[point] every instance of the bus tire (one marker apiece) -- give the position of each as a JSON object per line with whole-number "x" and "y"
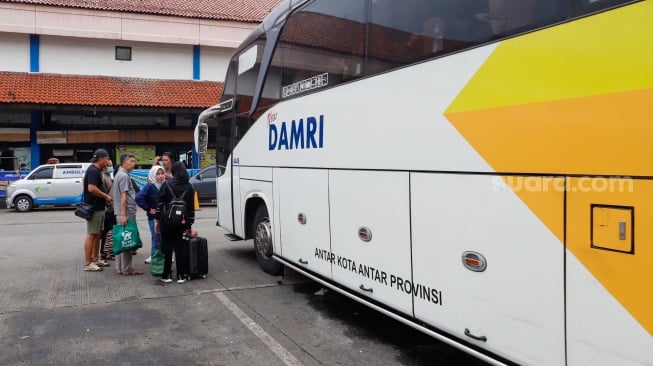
{"x": 23, "y": 203}
{"x": 262, "y": 234}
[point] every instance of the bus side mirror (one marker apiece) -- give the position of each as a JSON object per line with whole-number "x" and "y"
{"x": 201, "y": 138}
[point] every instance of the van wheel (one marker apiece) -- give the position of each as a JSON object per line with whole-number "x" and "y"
{"x": 23, "y": 203}
{"x": 262, "y": 234}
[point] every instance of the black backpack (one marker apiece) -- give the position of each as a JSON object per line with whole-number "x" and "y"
{"x": 174, "y": 212}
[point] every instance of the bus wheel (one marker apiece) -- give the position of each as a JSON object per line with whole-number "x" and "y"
{"x": 263, "y": 242}
{"x": 23, "y": 203}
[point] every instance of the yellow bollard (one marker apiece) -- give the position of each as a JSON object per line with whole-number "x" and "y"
{"x": 197, "y": 202}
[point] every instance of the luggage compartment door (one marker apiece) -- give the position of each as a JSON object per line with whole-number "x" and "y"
{"x": 302, "y": 201}
{"x": 370, "y": 231}
{"x": 488, "y": 259}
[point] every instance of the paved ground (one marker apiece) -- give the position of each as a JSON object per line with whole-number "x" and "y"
{"x": 53, "y": 313}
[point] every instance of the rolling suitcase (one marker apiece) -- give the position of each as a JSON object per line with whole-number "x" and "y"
{"x": 198, "y": 257}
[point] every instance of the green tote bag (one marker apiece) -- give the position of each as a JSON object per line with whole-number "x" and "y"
{"x": 126, "y": 237}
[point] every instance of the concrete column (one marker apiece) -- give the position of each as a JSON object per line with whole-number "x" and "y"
{"x": 35, "y": 149}
{"x": 34, "y": 51}
{"x": 196, "y": 62}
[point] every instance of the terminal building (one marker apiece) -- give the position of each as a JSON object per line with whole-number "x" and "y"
{"x": 124, "y": 75}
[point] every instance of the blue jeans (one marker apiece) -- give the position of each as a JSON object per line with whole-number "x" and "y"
{"x": 156, "y": 238}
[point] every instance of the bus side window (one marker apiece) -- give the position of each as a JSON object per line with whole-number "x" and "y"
{"x": 321, "y": 45}
{"x": 582, "y": 7}
{"x": 509, "y": 17}
{"x": 412, "y": 30}
{"x": 506, "y": 15}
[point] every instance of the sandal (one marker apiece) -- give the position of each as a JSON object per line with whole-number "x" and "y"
{"x": 132, "y": 272}
{"x": 102, "y": 263}
{"x": 118, "y": 272}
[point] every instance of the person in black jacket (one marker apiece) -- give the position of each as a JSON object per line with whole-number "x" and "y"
{"x": 172, "y": 238}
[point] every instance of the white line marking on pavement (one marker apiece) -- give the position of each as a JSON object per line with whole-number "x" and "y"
{"x": 273, "y": 345}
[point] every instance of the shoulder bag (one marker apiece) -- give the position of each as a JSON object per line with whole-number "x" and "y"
{"x": 84, "y": 210}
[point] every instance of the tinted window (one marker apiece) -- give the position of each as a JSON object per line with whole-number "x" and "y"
{"x": 229, "y": 91}
{"x": 241, "y": 80}
{"x": 43, "y": 173}
{"x": 411, "y": 30}
{"x": 331, "y": 41}
{"x": 581, "y": 7}
{"x": 321, "y": 45}
{"x": 249, "y": 64}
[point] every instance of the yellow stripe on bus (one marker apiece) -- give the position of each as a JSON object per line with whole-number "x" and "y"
{"x": 542, "y": 104}
{"x": 551, "y": 65}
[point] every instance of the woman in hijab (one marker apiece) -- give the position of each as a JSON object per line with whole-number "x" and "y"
{"x": 172, "y": 237}
{"x": 147, "y": 199}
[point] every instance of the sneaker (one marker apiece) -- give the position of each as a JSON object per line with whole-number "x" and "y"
{"x": 166, "y": 279}
{"x": 148, "y": 260}
{"x": 181, "y": 279}
{"x": 92, "y": 268}
{"x": 102, "y": 263}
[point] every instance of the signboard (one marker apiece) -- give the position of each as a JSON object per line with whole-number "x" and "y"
{"x": 208, "y": 158}
{"x": 144, "y": 154}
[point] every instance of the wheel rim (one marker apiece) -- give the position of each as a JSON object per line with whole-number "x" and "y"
{"x": 263, "y": 239}
{"x": 22, "y": 204}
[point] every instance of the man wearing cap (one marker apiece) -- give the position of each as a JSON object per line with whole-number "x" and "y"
{"x": 94, "y": 194}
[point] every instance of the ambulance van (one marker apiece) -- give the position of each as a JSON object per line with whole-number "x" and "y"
{"x": 48, "y": 185}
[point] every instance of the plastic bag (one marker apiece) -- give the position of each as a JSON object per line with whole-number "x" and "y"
{"x": 126, "y": 237}
{"x": 156, "y": 266}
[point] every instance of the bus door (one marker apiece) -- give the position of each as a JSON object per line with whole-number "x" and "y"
{"x": 225, "y": 181}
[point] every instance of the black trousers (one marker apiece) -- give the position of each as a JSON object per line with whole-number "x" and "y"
{"x": 172, "y": 241}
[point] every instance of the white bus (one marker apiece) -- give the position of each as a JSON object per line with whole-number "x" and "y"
{"x": 481, "y": 170}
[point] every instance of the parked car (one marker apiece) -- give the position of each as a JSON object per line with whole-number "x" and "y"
{"x": 204, "y": 183}
{"x": 49, "y": 184}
